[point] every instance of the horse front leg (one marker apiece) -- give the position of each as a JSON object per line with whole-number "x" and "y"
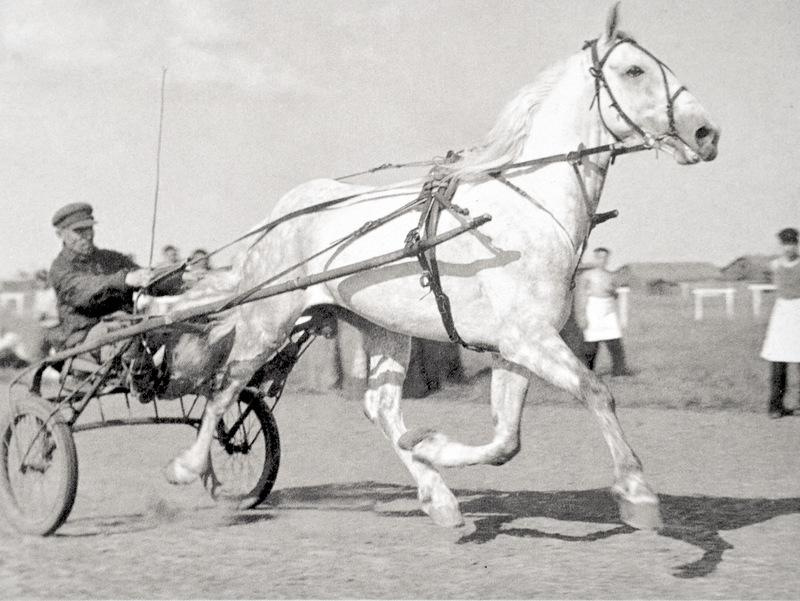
{"x": 544, "y": 353}
{"x": 539, "y": 349}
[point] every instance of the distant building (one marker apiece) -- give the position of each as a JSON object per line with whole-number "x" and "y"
{"x": 662, "y": 287}
{"x": 17, "y": 296}
{"x": 751, "y": 268}
{"x": 28, "y": 295}
{"x": 661, "y": 278}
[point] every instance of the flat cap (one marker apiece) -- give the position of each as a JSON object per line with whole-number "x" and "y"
{"x": 73, "y": 216}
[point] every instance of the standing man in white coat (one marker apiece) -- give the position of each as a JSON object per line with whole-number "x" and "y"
{"x": 596, "y": 311}
{"x": 782, "y": 342}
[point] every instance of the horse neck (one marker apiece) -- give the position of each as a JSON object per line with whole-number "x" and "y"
{"x": 565, "y": 120}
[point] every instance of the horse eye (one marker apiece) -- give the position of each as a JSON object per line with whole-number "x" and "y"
{"x": 634, "y": 71}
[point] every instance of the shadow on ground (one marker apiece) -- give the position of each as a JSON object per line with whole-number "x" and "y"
{"x": 159, "y": 516}
{"x": 697, "y": 520}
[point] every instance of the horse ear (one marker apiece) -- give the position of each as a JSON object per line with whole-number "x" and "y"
{"x": 612, "y": 23}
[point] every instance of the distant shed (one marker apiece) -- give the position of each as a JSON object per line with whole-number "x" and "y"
{"x": 662, "y": 277}
{"x": 751, "y": 268}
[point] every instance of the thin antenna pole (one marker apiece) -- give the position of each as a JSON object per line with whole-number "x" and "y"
{"x": 158, "y": 168}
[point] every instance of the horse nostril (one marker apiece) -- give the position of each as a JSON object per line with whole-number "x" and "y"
{"x": 702, "y": 133}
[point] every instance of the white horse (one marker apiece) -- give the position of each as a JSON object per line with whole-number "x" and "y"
{"x": 509, "y": 283}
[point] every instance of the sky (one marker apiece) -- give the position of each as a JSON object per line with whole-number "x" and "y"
{"x": 261, "y": 96}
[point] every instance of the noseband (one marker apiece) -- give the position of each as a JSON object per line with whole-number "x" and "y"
{"x": 600, "y": 82}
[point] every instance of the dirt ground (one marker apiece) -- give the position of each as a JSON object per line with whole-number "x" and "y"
{"x": 343, "y": 521}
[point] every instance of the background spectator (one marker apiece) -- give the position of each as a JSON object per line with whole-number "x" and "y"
{"x": 596, "y": 313}
{"x": 782, "y": 342}
{"x": 170, "y": 255}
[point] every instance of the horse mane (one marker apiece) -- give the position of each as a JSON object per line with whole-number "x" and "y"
{"x": 505, "y": 141}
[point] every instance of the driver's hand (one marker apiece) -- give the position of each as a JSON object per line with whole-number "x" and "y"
{"x": 138, "y": 278}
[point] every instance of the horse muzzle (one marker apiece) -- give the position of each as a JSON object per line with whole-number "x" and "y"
{"x": 707, "y": 139}
{"x": 698, "y": 144}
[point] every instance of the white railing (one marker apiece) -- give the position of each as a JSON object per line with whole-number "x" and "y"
{"x": 700, "y": 294}
{"x": 757, "y": 290}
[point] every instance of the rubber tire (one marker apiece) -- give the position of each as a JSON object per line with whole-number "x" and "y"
{"x": 272, "y": 450}
{"x": 68, "y": 483}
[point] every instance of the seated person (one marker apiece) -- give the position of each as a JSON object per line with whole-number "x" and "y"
{"x": 198, "y": 266}
{"x": 170, "y": 256}
{"x": 91, "y": 282}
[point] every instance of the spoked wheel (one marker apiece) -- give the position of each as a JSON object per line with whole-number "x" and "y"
{"x": 38, "y": 466}
{"x": 246, "y": 452}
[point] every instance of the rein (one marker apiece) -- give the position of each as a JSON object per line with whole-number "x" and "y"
{"x": 615, "y": 149}
{"x": 355, "y": 234}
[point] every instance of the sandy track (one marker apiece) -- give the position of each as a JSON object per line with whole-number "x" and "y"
{"x": 343, "y": 521}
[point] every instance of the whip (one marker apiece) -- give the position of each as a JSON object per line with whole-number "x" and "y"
{"x": 158, "y": 168}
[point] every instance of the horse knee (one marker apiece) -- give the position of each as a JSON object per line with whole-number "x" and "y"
{"x": 508, "y": 450}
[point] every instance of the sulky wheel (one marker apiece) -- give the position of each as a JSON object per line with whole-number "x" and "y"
{"x": 246, "y": 451}
{"x": 38, "y": 466}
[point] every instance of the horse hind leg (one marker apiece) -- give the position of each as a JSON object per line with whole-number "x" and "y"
{"x": 194, "y": 462}
{"x": 255, "y": 340}
{"x": 388, "y": 355}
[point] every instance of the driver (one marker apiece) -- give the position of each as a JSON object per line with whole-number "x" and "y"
{"x": 91, "y": 282}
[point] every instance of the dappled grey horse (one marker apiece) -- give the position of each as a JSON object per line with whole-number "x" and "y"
{"x": 509, "y": 283}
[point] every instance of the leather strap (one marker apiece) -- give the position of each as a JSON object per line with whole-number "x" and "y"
{"x": 437, "y": 194}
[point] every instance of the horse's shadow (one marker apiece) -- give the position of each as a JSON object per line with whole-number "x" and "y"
{"x": 697, "y": 520}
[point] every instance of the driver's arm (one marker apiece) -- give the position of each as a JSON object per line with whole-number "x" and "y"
{"x": 96, "y": 294}
{"x": 86, "y": 291}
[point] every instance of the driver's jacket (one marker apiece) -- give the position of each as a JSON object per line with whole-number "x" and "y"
{"x": 87, "y": 288}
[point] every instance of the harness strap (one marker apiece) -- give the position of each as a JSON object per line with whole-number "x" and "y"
{"x": 437, "y": 194}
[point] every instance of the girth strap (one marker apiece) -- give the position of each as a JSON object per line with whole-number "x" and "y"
{"x": 437, "y": 194}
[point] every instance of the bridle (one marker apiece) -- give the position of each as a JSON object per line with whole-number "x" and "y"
{"x": 601, "y": 83}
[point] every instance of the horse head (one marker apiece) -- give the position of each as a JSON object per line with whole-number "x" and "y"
{"x": 639, "y": 97}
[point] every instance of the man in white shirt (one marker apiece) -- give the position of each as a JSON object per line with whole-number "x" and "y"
{"x": 596, "y": 313}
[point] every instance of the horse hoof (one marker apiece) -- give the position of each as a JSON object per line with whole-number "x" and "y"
{"x": 638, "y": 504}
{"x": 446, "y": 516}
{"x": 642, "y": 516}
{"x": 412, "y": 438}
{"x": 177, "y": 472}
